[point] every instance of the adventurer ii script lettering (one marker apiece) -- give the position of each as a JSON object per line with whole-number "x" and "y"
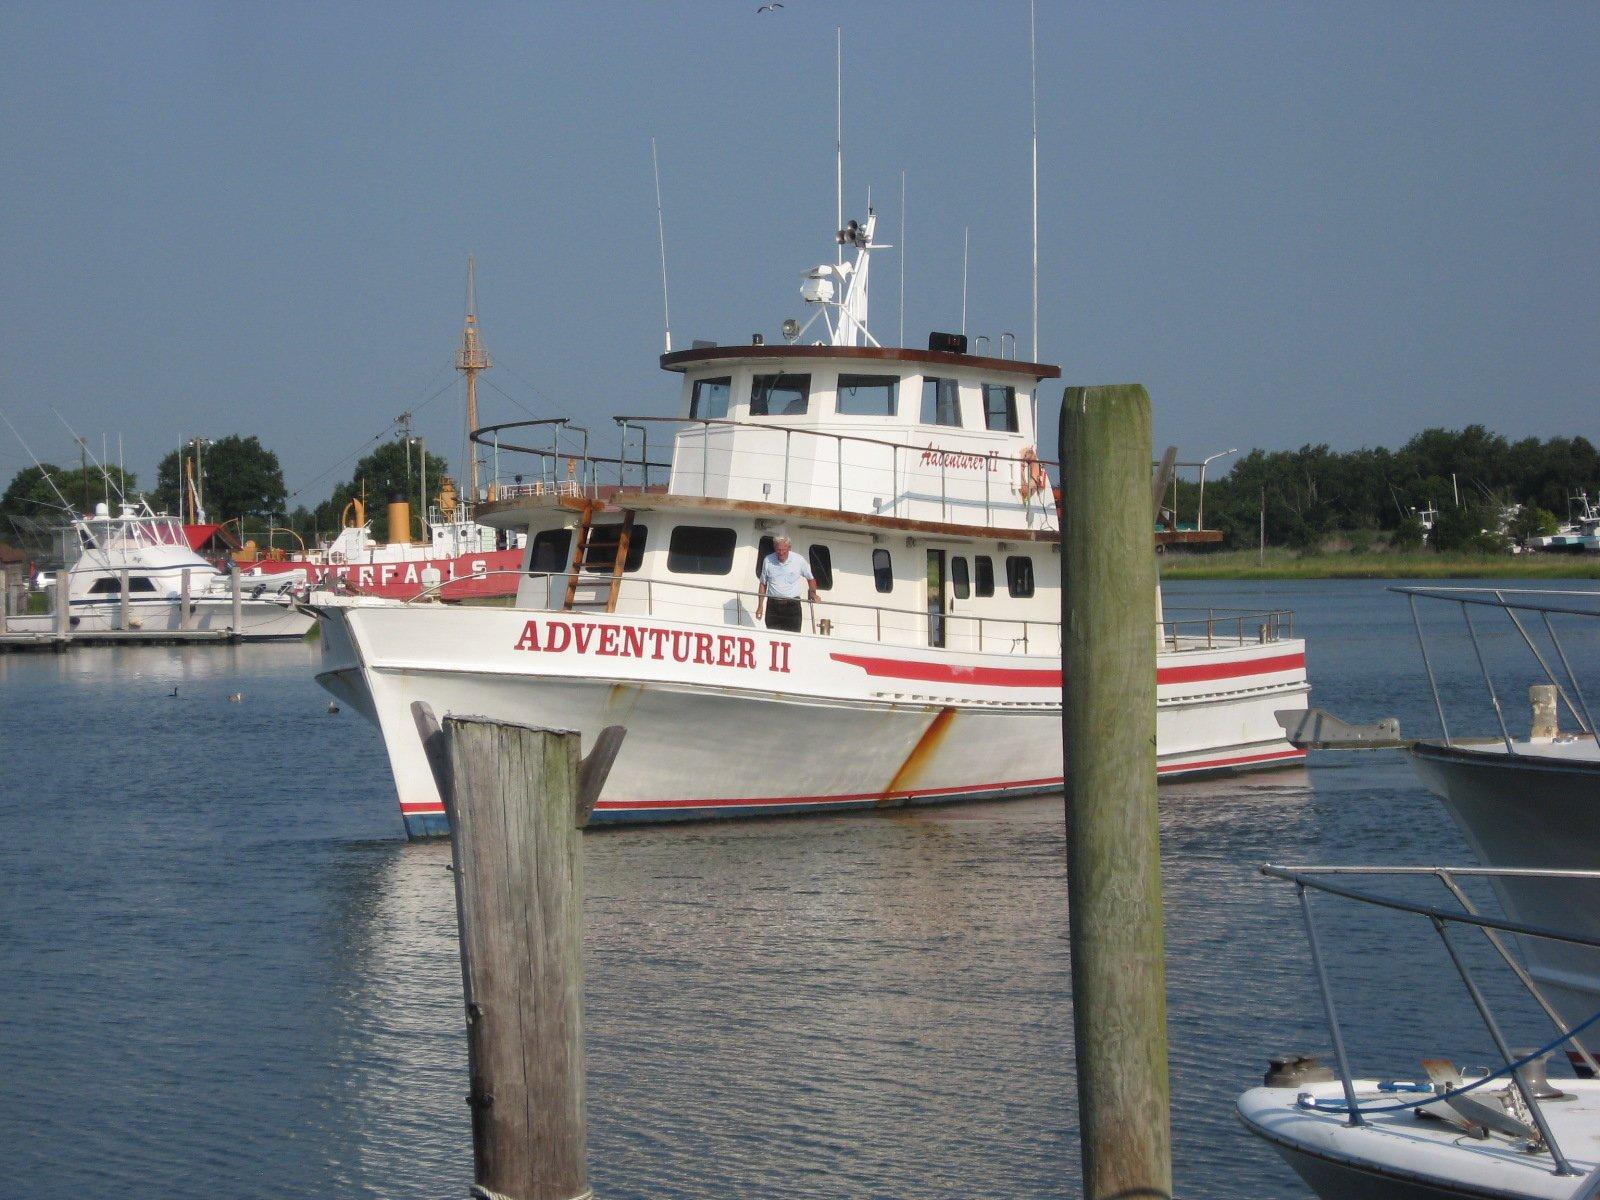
{"x": 662, "y": 645}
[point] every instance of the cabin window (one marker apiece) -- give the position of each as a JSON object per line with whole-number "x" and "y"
{"x": 960, "y": 583}
{"x": 709, "y": 400}
{"x": 779, "y": 395}
{"x": 821, "y": 567}
{"x": 941, "y": 401}
{"x": 868, "y": 395}
{"x": 1000, "y": 407}
{"x": 106, "y": 585}
{"x": 882, "y": 571}
{"x": 603, "y": 541}
{"x": 1019, "y": 575}
{"x": 983, "y": 574}
{"x": 701, "y": 550}
{"x": 141, "y": 583}
{"x": 764, "y": 547}
{"x": 550, "y": 548}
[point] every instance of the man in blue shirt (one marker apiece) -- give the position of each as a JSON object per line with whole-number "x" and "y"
{"x": 785, "y": 577}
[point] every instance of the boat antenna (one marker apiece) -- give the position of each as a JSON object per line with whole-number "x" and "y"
{"x": 661, "y": 239}
{"x": 838, "y": 133}
{"x": 902, "y": 258}
{"x": 83, "y": 445}
{"x": 1033, "y": 93}
{"x": 966, "y": 240}
{"x": 43, "y": 470}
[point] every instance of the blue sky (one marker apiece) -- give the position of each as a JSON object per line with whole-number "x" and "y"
{"x": 1293, "y": 223}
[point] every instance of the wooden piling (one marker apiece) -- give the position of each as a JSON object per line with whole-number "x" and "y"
{"x": 512, "y": 801}
{"x": 1113, "y": 835}
{"x": 122, "y": 599}
{"x": 185, "y": 617}
{"x": 238, "y": 619}
{"x": 63, "y": 609}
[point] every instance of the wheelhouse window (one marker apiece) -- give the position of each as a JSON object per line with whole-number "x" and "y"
{"x": 709, "y": 399}
{"x": 141, "y": 583}
{"x": 960, "y": 582}
{"x": 550, "y": 547}
{"x": 701, "y": 550}
{"x": 779, "y": 395}
{"x": 882, "y": 571}
{"x": 1019, "y": 575}
{"x": 941, "y": 401}
{"x": 106, "y": 585}
{"x": 1000, "y": 407}
{"x": 603, "y": 542}
{"x": 983, "y": 575}
{"x": 868, "y": 395}
{"x": 821, "y": 567}
{"x": 764, "y": 547}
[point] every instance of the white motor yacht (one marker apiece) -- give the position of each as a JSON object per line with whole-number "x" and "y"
{"x": 134, "y": 571}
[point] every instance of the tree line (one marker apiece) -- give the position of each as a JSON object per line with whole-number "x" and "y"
{"x": 1314, "y": 494}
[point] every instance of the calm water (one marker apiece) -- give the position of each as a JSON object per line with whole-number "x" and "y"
{"x": 223, "y": 973}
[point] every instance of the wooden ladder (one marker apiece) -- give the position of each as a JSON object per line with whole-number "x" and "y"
{"x": 624, "y": 537}
{"x": 580, "y": 554}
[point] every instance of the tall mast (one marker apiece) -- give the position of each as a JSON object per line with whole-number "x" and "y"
{"x": 471, "y": 359}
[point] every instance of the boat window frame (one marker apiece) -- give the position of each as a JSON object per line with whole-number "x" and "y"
{"x": 982, "y": 575}
{"x": 636, "y": 543}
{"x": 675, "y": 554}
{"x": 1009, "y": 415}
{"x": 565, "y": 535}
{"x": 820, "y": 559}
{"x": 779, "y": 379}
{"x": 960, "y": 580}
{"x": 727, "y": 398}
{"x": 871, "y": 384}
{"x": 882, "y": 572}
{"x": 955, "y": 398}
{"x": 1019, "y": 576}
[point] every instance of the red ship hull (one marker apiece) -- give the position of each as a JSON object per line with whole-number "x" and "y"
{"x": 465, "y": 577}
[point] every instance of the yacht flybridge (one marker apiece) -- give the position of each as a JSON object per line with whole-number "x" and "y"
{"x": 928, "y": 667}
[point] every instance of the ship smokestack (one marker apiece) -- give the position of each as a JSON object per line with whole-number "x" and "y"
{"x": 399, "y": 519}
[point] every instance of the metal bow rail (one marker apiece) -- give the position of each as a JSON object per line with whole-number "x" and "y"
{"x": 1559, "y": 603}
{"x": 1311, "y": 878}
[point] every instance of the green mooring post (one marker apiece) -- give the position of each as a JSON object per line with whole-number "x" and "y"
{"x": 1108, "y": 619}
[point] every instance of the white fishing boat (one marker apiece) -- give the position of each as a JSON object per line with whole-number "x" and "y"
{"x": 1446, "y": 1133}
{"x": 134, "y": 571}
{"x": 928, "y": 667}
{"x": 1580, "y": 534}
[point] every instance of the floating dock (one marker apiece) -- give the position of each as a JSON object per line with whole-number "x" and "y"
{"x": 52, "y": 640}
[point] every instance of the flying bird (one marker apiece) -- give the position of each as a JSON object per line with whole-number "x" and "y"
{"x": 773, "y": 7}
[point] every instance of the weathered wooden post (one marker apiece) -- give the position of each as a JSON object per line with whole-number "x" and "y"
{"x": 1113, "y": 836}
{"x": 122, "y": 599}
{"x": 185, "y": 618}
{"x": 517, "y": 799}
{"x": 238, "y": 621}
{"x": 63, "y": 605}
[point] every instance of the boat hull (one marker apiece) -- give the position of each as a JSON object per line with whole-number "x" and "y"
{"x": 1538, "y": 809}
{"x": 490, "y": 574}
{"x": 259, "y": 620}
{"x": 732, "y": 722}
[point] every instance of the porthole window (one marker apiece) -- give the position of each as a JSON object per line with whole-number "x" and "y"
{"x": 882, "y": 571}
{"x": 1019, "y": 575}
{"x": 701, "y": 550}
{"x": 821, "y": 567}
{"x": 960, "y": 584}
{"x": 983, "y": 575}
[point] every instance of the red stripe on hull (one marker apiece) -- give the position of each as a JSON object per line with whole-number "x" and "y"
{"x": 1034, "y": 677}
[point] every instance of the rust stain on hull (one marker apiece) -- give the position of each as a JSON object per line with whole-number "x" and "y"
{"x": 905, "y": 778}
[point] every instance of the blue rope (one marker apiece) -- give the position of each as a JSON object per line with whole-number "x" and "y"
{"x": 1339, "y": 1106}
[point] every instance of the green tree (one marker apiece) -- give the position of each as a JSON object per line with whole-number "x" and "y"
{"x": 30, "y": 494}
{"x": 239, "y": 477}
{"x": 1472, "y": 527}
{"x": 379, "y": 475}
{"x": 1409, "y": 534}
{"x": 1531, "y": 521}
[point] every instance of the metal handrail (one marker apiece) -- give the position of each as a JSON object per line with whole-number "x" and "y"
{"x": 1306, "y": 877}
{"x": 1027, "y": 625}
{"x": 1467, "y": 598}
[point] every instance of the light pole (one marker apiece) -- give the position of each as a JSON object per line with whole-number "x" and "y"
{"x": 1200, "y": 521}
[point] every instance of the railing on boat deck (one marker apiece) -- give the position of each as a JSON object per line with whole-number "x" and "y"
{"x": 881, "y": 476}
{"x": 1306, "y": 877}
{"x": 1511, "y": 602}
{"x": 985, "y": 634}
